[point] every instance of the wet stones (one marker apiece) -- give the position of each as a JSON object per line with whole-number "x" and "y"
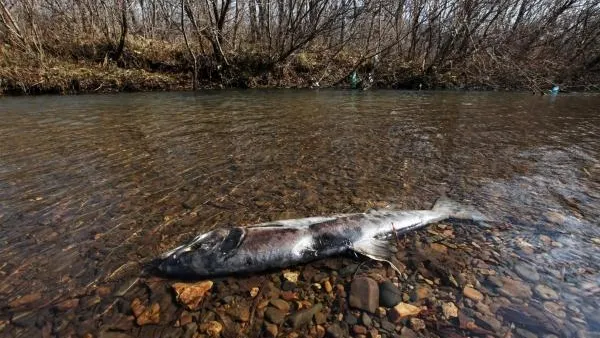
{"x": 271, "y": 329}
{"x": 303, "y": 317}
{"x": 26, "y": 300}
{"x": 364, "y": 294}
{"x": 336, "y": 331}
{"x": 417, "y": 324}
{"x": 211, "y": 328}
{"x": 280, "y": 304}
{"x": 472, "y": 294}
{"x": 422, "y": 292}
{"x": 545, "y": 292}
{"x": 527, "y": 272}
{"x": 403, "y": 310}
{"x": 555, "y": 309}
{"x": 68, "y": 304}
{"x": 514, "y": 289}
{"x": 450, "y": 310}
{"x": 192, "y": 294}
{"x": 389, "y": 294}
{"x": 145, "y": 315}
{"x": 274, "y": 315}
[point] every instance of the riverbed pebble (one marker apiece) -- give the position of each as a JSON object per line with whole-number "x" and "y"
{"x": 450, "y": 310}
{"x": 545, "y": 292}
{"x": 389, "y": 294}
{"x": 527, "y": 272}
{"x": 192, "y": 294}
{"x": 472, "y": 294}
{"x": 364, "y": 294}
{"x": 403, "y": 310}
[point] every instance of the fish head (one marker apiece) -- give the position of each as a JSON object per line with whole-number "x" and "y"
{"x": 204, "y": 256}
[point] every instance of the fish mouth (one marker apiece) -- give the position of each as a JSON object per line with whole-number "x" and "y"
{"x": 153, "y": 268}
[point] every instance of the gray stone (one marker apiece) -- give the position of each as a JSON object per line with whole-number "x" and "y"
{"x": 527, "y": 272}
{"x": 335, "y": 331}
{"x": 488, "y": 322}
{"x": 389, "y": 294}
{"x": 302, "y": 318}
{"x": 545, "y": 292}
{"x": 364, "y": 294}
{"x": 525, "y": 334}
{"x": 387, "y": 325}
{"x": 350, "y": 319}
{"x": 407, "y": 333}
{"x": 366, "y": 320}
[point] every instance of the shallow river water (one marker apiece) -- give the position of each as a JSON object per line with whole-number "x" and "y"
{"x": 90, "y": 186}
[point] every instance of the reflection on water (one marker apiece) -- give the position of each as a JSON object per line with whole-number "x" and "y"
{"x": 88, "y": 183}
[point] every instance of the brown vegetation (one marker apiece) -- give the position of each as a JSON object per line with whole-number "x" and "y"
{"x": 70, "y": 46}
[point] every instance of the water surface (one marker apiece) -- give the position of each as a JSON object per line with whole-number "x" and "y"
{"x": 90, "y": 183}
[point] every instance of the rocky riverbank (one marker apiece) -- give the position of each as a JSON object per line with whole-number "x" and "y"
{"x": 455, "y": 281}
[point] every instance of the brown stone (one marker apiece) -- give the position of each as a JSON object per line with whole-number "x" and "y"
{"x": 403, "y": 310}
{"x": 271, "y": 329}
{"x": 327, "y": 286}
{"x": 364, "y": 294}
{"x": 281, "y": 305}
{"x": 422, "y": 292}
{"x": 241, "y": 314}
{"x": 473, "y": 294}
{"x": 185, "y": 318}
{"x": 417, "y": 324}
{"x": 440, "y": 248}
{"x": 67, "y": 304}
{"x": 450, "y": 310}
{"x": 150, "y": 315}
{"x": 137, "y": 307}
{"x": 289, "y": 295}
{"x": 320, "y": 331}
{"x": 274, "y": 315}
{"x": 25, "y": 300}
{"x": 515, "y": 289}
{"x": 212, "y": 328}
{"x": 359, "y": 329}
{"x": 192, "y": 294}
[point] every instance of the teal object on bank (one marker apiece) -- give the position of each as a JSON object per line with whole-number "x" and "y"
{"x": 353, "y": 80}
{"x": 555, "y": 89}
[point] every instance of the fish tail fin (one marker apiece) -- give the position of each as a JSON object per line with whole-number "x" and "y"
{"x": 456, "y": 210}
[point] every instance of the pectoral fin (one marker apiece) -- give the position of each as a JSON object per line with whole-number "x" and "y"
{"x": 377, "y": 249}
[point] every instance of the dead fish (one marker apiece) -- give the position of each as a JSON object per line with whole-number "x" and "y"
{"x": 285, "y": 243}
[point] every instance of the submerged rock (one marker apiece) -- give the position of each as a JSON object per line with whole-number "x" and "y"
{"x": 514, "y": 289}
{"x": 192, "y": 294}
{"x": 211, "y": 328}
{"x": 302, "y": 318}
{"x": 25, "y": 300}
{"x": 527, "y": 272}
{"x": 364, "y": 294}
{"x": 450, "y": 310}
{"x": 145, "y": 315}
{"x": 389, "y": 294}
{"x": 545, "y": 292}
{"x": 336, "y": 331}
{"x": 403, "y": 310}
{"x": 472, "y": 294}
{"x": 274, "y": 315}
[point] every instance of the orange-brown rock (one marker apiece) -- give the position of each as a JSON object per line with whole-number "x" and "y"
{"x": 192, "y": 294}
